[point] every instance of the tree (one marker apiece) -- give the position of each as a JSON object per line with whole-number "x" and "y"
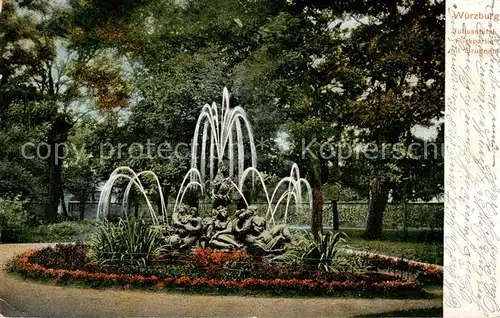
{"x": 42, "y": 78}
{"x": 301, "y": 71}
{"x": 404, "y": 45}
{"x": 23, "y": 51}
{"x": 81, "y": 167}
{"x": 407, "y": 88}
{"x": 176, "y": 67}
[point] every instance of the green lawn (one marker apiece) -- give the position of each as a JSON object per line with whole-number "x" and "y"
{"x": 419, "y": 245}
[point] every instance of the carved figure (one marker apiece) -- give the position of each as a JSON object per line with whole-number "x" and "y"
{"x": 252, "y": 230}
{"x": 221, "y": 187}
{"x": 186, "y": 228}
{"x": 273, "y": 240}
{"x": 223, "y": 227}
{"x": 248, "y": 226}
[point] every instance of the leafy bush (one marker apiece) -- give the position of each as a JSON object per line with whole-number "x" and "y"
{"x": 12, "y": 220}
{"x": 322, "y": 252}
{"x": 61, "y": 232}
{"x": 132, "y": 241}
{"x": 213, "y": 262}
{"x": 62, "y": 256}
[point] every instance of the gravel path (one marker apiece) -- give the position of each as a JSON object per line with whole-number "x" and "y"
{"x": 19, "y": 297}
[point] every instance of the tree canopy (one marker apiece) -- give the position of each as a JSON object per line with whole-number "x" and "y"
{"x": 315, "y": 77}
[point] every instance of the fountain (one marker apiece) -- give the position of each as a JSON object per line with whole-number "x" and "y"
{"x": 222, "y": 127}
{"x": 134, "y": 179}
{"x": 219, "y": 130}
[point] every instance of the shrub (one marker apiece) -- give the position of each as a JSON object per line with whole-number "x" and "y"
{"x": 13, "y": 220}
{"x": 61, "y": 232}
{"x": 322, "y": 252}
{"x": 132, "y": 241}
{"x": 220, "y": 264}
{"x": 62, "y": 256}
{"x": 213, "y": 258}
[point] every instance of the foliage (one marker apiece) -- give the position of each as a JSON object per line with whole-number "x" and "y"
{"x": 415, "y": 236}
{"x": 13, "y": 219}
{"x": 294, "y": 66}
{"x": 178, "y": 66}
{"x": 424, "y": 252}
{"x": 338, "y": 192}
{"x": 321, "y": 251}
{"x": 80, "y": 169}
{"x": 20, "y": 176}
{"x": 129, "y": 241}
{"x": 213, "y": 261}
{"x": 353, "y": 215}
{"x": 394, "y": 263}
{"x": 61, "y": 256}
{"x": 404, "y": 88}
{"x": 60, "y": 232}
{"x": 43, "y": 82}
{"x": 300, "y": 69}
{"x": 24, "y": 53}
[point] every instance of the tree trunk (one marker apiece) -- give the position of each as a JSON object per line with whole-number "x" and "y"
{"x": 317, "y": 192}
{"x": 82, "y": 200}
{"x": 63, "y": 204}
{"x": 405, "y": 218}
{"x": 54, "y": 188}
{"x": 379, "y": 194}
{"x": 317, "y": 213}
{"x": 56, "y": 138}
{"x": 335, "y": 212}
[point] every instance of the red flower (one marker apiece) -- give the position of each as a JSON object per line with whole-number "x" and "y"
{"x": 184, "y": 280}
{"x": 160, "y": 284}
{"x": 207, "y": 256}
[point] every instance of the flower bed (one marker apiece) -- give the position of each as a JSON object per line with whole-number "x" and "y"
{"x": 55, "y": 259}
{"x": 428, "y": 272}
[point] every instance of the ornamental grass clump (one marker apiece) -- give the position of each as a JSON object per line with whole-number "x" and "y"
{"x": 130, "y": 241}
{"x": 322, "y": 253}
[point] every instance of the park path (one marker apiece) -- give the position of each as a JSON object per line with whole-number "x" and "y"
{"x": 20, "y": 297}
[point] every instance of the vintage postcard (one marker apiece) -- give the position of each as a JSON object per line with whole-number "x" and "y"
{"x": 248, "y": 158}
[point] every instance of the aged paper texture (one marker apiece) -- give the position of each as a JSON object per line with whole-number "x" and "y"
{"x": 471, "y": 167}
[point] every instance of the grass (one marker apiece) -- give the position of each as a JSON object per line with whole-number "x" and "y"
{"x": 419, "y": 245}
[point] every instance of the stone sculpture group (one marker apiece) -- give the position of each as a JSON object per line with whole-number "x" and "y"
{"x": 245, "y": 230}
